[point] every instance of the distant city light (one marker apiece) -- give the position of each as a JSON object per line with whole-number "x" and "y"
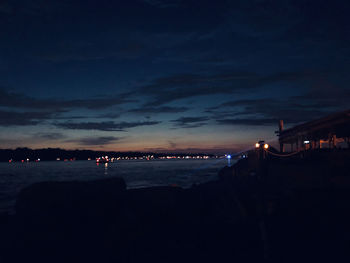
{"x": 228, "y": 156}
{"x": 257, "y": 145}
{"x": 306, "y": 142}
{"x": 266, "y": 146}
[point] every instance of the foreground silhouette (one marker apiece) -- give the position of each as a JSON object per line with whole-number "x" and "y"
{"x": 304, "y": 208}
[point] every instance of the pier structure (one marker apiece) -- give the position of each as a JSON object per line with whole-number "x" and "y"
{"x": 326, "y": 132}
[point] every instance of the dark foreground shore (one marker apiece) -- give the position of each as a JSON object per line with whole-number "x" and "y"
{"x": 293, "y": 210}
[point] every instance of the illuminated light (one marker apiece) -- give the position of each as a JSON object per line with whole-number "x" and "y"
{"x": 228, "y": 156}
{"x": 27, "y": 159}
{"x": 306, "y": 142}
{"x": 257, "y": 145}
{"x": 266, "y": 146}
{"x": 10, "y": 161}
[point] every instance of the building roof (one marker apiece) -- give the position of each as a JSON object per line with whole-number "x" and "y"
{"x": 336, "y": 123}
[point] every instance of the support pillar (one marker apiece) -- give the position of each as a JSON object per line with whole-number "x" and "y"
{"x": 334, "y": 141}
{"x": 280, "y": 131}
{"x": 313, "y": 144}
{"x": 297, "y": 144}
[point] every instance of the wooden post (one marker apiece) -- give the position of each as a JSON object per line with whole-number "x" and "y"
{"x": 280, "y": 131}
{"x": 297, "y": 144}
{"x": 334, "y": 141}
{"x": 330, "y": 141}
{"x": 313, "y": 144}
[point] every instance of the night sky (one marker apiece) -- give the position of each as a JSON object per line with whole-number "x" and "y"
{"x": 172, "y": 75}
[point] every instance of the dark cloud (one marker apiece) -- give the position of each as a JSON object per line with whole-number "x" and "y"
{"x": 268, "y": 111}
{"x": 33, "y": 7}
{"x": 6, "y": 8}
{"x": 104, "y": 126}
{"x": 50, "y": 136}
{"x": 190, "y": 122}
{"x": 325, "y": 95}
{"x": 111, "y": 115}
{"x": 248, "y": 122}
{"x": 163, "y": 3}
{"x": 92, "y": 53}
{"x": 12, "y": 118}
{"x": 16, "y": 100}
{"x": 96, "y": 141}
{"x": 164, "y": 109}
{"x": 172, "y": 144}
{"x": 168, "y": 89}
{"x": 173, "y": 88}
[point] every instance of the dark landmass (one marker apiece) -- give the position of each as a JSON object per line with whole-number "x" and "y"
{"x": 276, "y": 210}
{"x": 51, "y": 154}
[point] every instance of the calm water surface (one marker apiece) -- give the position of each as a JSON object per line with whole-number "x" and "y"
{"x": 136, "y": 173}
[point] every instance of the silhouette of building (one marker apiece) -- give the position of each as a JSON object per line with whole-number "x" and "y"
{"x": 328, "y": 131}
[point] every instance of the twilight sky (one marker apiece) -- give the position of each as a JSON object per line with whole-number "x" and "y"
{"x": 153, "y": 75}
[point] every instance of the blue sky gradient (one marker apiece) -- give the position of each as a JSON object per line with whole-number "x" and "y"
{"x": 168, "y": 75}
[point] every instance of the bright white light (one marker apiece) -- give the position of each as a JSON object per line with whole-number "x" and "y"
{"x": 266, "y": 146}
{"x": 257, "y": 145}
{"x": 306, "y": 142}
{"x": 228, "y": 156}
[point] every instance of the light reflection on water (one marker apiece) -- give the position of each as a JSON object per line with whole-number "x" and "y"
{"x": 106, "y": 168}
{"x": 136, "y": 173}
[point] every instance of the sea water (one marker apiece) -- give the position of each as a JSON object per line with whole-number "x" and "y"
{"x": 136, "y": 173}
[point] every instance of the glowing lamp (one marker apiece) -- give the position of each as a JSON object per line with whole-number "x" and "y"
{"x": 257, "y": 145}
{"x": 266, "y": 146}
{"x": 228, "y": 156}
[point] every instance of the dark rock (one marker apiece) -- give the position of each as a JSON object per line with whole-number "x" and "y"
{"x": 226, "y": 173}
{"x": 55, "y": 196}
